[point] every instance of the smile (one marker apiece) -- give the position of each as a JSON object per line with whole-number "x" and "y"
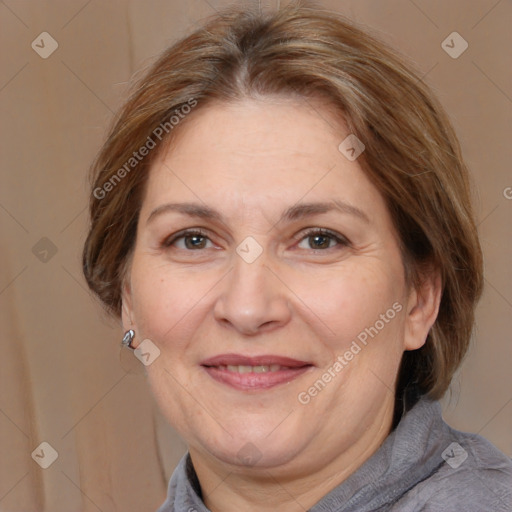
{"x": 254, "y": 372}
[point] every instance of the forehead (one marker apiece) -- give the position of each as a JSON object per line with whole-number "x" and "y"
{"x": 271, "y": 149}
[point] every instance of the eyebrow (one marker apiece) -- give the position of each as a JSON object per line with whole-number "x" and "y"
{"x": 295, "y": 212}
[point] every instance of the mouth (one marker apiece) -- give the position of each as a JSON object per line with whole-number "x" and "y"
{"x": 254, "y": 373}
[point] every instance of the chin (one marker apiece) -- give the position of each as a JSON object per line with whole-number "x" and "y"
{"x": 254, "y": 447}
{"x": 255, "y": 455}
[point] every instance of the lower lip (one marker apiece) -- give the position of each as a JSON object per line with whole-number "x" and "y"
{"x": 255, "y": 381}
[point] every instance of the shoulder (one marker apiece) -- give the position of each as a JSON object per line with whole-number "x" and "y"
{"x": 473, "y": 476}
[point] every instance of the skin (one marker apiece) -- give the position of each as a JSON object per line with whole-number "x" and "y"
{"x": 304, "y": 297}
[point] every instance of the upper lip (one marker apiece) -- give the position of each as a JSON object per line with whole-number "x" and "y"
{"x": 263, "y": 360}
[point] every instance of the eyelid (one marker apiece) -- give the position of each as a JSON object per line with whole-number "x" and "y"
{"x": 341, "y": 239}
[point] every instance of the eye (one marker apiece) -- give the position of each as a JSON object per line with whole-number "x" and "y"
{"x": 190, "y": 240}
{"x": 314, "y": 238}
{"x": 321, "y": 239}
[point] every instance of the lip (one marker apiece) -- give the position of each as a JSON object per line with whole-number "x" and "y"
{"x": 241, "y": 360}
{"x": 254, "y": 381}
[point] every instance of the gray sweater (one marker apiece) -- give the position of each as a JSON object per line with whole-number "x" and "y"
{"x": 423, "y": 465}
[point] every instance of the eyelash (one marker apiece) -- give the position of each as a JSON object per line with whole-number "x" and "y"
{"x": 167, "y": 242}
{"x": 341, "y": 240}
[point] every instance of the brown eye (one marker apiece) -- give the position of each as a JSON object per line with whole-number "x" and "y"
{"x": 321, "y": 239}
{"x": 195, "y": 241}
{"x": 188, "y": 240}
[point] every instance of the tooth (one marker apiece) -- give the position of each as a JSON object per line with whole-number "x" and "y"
{"x": 261, "y": 369}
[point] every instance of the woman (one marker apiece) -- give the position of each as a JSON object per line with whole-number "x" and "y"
{"x": 281, "y": 218}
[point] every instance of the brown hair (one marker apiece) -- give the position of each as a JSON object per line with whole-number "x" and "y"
{"x": 411, "y": 154}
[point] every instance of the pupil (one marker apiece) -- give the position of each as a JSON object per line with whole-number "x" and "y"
{"x": 195, "y": 241}
{"x": 320, "y": 241}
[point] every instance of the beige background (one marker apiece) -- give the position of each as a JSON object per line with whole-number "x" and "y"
{"x": 60, "y": 377}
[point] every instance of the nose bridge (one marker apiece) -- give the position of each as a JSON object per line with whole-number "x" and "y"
{"x": 252, "y": 298}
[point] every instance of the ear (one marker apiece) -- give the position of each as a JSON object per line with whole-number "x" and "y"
{"x": 422, "y": 309}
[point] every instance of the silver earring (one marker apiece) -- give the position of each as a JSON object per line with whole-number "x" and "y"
{"x": 128, "y": 338}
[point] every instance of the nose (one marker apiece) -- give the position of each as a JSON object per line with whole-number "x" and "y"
{"x": 253, "y": 299}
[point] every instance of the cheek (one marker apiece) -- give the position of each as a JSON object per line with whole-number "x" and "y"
{"x": 160, "y": 300}
{"x": 366, "y": 312}
{"x": 353, "y": 299}
{"x": 170, "y": 303}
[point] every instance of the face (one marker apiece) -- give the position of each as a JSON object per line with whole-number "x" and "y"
{"x": 267, "y": 272}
